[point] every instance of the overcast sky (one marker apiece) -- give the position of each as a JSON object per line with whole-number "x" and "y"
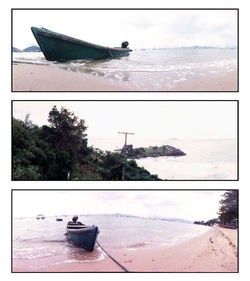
{"x": 189, "y": 205}
{"x": 143, "y": 29}
{"x": 152, "y": 122}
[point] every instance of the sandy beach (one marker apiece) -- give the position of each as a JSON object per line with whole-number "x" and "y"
{"x": 220, "y": 83}
{"x": 213, "y": 251}
{"x": 31, "y": 77}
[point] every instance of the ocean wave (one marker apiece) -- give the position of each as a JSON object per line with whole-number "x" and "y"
{"x": 131, "y": 68}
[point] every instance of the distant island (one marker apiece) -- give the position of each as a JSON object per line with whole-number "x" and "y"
{"x": 28, "y": 49}
{"x": 140, "y": 217}
{"x": 152, "y": 151}
{"x": 16, "y": 50}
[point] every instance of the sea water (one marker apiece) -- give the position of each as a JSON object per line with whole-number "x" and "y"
{"x": 204, "y": 160}
{"x": 150, "y": 69}
{"x": 37, "y": 239}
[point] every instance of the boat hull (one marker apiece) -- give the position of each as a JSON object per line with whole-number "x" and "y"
{"x": 59, "y": 47}
{"x": 84, "y": 237}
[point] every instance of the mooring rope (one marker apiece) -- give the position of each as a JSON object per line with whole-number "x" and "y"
{"x": 123, "y": 267}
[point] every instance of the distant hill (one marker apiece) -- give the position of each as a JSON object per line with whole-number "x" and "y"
{"x": 32, "y": 49}
{"x": 141, "y": 217}
{"x": 16, "y": 49}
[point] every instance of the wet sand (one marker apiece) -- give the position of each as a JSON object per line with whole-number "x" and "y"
{"x": 213, "y": 251}
{"x": 30, "y": 77}
{"x": 221, "y": 82}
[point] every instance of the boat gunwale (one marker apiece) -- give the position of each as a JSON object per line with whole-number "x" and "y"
{"x": 81, "y": 229}
{"x": 77, "y": 226}
{"x": 48, "y": 33}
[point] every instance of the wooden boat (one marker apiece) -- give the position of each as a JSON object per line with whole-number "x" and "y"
{"x": 82, "y": 235}
{"x": 59, "y": 47}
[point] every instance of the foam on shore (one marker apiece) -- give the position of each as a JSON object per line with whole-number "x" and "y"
{"x": 33, "y": 77}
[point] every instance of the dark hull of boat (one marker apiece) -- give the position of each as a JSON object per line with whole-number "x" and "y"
{"x": 59, "y": 47}
{"x": 84, "y": 237}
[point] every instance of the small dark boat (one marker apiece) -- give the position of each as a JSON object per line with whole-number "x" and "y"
{"x": 59, "y": 47}
{"x": 59, "y": 219}
{"x": 82, "y": 235}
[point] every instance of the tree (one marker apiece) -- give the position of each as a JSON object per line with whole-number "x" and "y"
{"x": 60, "y": 152}
{"x": 33, "y": 157}
{"x": 30, "y": 153}
{"x": 67, "y": 133}
{"x": 69, "y": 130}
{"x": 229, "y": 206}
{"x": 28, "y": 123}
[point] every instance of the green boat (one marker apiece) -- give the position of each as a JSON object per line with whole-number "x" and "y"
{"x": 62, "y": 48}
{"x": 82, "y": 235}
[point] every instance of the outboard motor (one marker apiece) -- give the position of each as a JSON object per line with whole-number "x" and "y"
{"x": 74, "y": 219}
{"x": 125, "y": 44}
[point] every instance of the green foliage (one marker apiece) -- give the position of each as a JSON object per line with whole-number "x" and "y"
{"x": 212, "y": 221}
{"x": 66, "y": 131}
{"x": 152, "y": 151}
{"x": 27, "y": 173}
{"x": 34, "y": 158}
{"x": 229, "y": 207}
{"x": 134, "y": 172}
{"x": 84, "y": 172}
{"x": 60, "y": 152}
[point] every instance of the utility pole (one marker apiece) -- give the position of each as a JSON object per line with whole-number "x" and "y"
{"x": 125, "y": 153}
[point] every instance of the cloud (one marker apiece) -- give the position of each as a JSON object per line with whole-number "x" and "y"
{"x": 142, "y": 28}
{"x": 108, "y": 196}
{"x": 191, "y": 205}
{"x": 198, "y": 120}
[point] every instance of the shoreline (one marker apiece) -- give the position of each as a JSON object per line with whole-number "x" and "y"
{"x": 213, "y": 251}
{"x": 33, "y": 77}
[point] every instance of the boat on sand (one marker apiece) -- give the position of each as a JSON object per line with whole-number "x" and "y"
{"x": 62, "y": 48}
{"x": 82, "y": 235}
